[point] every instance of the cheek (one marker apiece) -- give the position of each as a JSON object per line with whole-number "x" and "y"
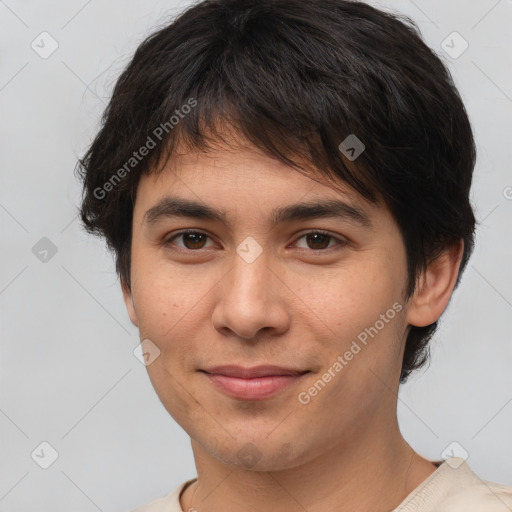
{"x": 351, "y": 298}
{"x": 159, "y": 290}
{"x": 171, "y": 307}
{"x": 157, "y": 303}
{"x": 364, "y": 313}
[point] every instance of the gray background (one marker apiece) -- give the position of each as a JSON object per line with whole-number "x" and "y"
{"x": 68, "y": 373}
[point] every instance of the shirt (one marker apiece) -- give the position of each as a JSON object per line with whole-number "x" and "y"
{"x": 453, "y": 487}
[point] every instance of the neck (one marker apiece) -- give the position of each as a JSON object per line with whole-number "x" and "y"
{"x": 370, "y": 473}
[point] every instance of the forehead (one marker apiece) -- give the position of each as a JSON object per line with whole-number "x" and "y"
{"x": 241, "y": 171}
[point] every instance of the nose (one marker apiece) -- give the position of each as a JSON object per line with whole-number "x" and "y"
{"x": 252, "y": 297}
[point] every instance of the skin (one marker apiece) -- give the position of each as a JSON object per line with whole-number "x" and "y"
{"x": 294, "y": 306}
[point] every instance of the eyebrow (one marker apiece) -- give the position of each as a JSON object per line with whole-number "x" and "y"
{"x": 172, "y": 206}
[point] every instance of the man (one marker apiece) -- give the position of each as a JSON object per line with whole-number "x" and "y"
{"x": 285, "y": 186}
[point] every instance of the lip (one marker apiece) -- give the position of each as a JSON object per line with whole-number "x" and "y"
{"x": 256, "y": 383}
{"x": 254, "y": 371}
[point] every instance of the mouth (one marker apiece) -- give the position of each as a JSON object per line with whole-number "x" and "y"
{"x": 256, "y": 383}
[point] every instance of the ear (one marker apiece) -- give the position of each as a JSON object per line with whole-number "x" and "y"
{"x": 128, "y": 300}
{"x": 435, "y": 287}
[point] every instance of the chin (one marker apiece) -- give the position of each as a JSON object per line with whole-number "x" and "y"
{"x": 256, "y": 453}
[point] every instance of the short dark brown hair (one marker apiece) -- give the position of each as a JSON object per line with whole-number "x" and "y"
{"x": 295, "y": 78}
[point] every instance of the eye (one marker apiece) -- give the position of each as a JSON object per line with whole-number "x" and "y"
{"x": 194, "y": 240}
{"x": 320, "y": 240}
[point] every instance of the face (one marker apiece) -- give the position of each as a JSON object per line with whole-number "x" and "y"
{"x": 258, "y": 281}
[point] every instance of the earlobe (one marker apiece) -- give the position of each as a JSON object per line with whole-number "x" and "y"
{"x": 128, "y": 300}
{"x": 435, "y": 287}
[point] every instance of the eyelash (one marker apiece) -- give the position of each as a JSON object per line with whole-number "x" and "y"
{"x": 341, "y": 243}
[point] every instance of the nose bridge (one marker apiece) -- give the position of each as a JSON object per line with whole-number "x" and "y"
{"x": 250, "y": 277}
